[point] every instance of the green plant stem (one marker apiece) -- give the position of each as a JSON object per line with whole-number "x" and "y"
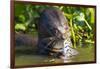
{"x": 73, "y": 33}
{"x": 61, "y": 7}
{"x": 87, "y": 24}
{"x": 68, "y": 15}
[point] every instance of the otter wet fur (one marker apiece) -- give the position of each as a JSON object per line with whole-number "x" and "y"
{"x": 53, "y": 35}
{"x": 53, "y": 29}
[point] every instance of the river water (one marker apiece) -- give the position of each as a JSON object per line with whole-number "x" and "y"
{"x": 25, "y": 55}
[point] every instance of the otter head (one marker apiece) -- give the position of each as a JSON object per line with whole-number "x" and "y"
{"x": 53, "y": 24}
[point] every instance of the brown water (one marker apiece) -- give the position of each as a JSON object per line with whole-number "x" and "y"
{"x": 26, "y": 55}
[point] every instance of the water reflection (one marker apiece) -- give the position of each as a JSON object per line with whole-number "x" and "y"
{"x": 26, "y": 56}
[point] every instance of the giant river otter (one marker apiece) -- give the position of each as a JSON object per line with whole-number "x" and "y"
{"x": 53, "y": 30}
{"x": 53, "y": 35}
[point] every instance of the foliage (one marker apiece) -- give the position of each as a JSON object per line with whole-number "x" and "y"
{"x": 81, "y": 21}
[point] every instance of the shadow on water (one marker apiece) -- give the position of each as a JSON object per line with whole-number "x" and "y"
{"x": 27, "y": 55}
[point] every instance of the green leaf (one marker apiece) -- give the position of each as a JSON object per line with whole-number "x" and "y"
{"x": 22, "y": 18}
{"x": 19, "y": 9}
{"x": 89, "y": 41}
{"x": 92, "y": 12}
{"x": 20, "y": 26}
{"x": 81, "y": 17}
